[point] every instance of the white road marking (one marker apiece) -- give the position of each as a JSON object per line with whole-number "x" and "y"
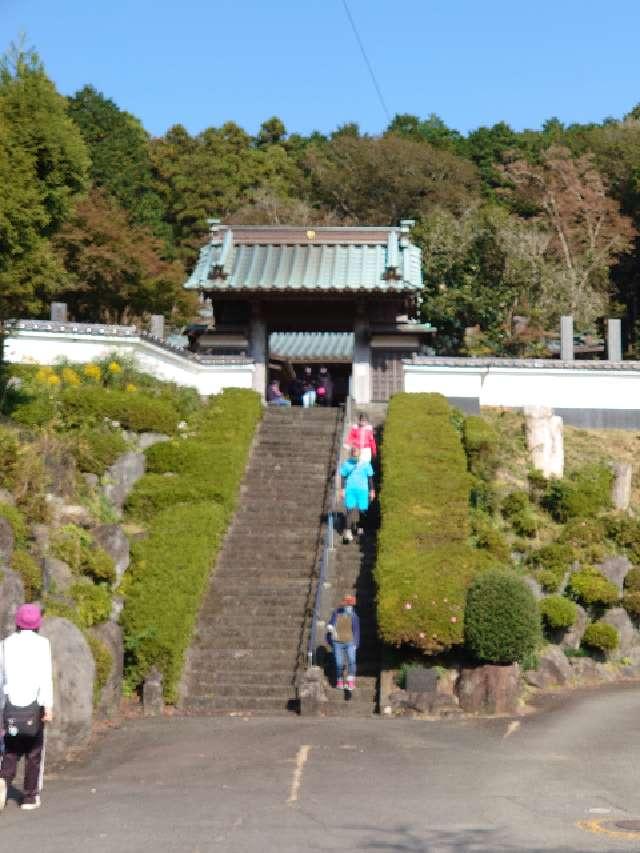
{"x": 301, "y": 760}
{"x": 513, "y": 726}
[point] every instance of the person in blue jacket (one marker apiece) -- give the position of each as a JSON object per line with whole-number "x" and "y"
{"x": 344, "y": 635}
{"x": 357, "y": 491}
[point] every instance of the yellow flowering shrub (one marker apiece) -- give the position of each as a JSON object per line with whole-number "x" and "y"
{"x": 69, "y": 376}
{"x": 92, "y": 371}
{"x": 53, "y": 379}
{"x": 114, "y": 367}
{"x": 131, "y": 387}
{"x": 43, "y": 374}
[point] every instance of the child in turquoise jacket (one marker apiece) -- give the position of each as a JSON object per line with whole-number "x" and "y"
{"x": 357, "y": 491}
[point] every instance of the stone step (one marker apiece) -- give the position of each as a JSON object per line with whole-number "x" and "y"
{"x": 228, "y": 705}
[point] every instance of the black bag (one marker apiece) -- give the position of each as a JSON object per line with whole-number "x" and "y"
{"x": 22, "y": 720}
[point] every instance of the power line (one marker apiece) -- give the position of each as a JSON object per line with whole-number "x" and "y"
{"x": 366, "y": 59}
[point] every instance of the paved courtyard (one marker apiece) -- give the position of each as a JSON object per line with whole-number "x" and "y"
{"x": 289, "y": 784}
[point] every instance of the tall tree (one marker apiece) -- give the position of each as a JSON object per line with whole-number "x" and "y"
{"x": 117, "y": 269}
{"x": 589, "y": 232}
{"x": 120, "y": 158}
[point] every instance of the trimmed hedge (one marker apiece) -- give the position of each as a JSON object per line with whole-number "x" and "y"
{"x": 424, "y": 563}
{"x": 558, "y": 612}
{"x": 601, "y": 636}
{"x": 187, "y": 514}
{"x": 96, "y": 449}
{"x": 590, "y": 587}
{"x": 133, "y": 410}
{"x": 501, "y": 618}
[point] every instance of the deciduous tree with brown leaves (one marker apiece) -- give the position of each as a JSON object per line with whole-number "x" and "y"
{"x": 588, "y": 231}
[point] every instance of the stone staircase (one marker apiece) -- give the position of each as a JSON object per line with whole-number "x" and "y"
{"x": 253, "y": 626}
{"x": 353, "y": 566}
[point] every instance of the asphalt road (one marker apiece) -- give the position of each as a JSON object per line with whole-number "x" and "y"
{"x": 291, "y": 784}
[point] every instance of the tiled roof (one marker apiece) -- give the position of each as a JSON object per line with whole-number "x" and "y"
{"x": 297, "y": 259}
{"x": 312, "y": 346}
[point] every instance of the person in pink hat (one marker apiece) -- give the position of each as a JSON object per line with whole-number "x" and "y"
{"x": 26, "y": 700}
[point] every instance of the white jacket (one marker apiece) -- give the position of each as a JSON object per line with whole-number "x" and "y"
{"x": 26, "y": 670}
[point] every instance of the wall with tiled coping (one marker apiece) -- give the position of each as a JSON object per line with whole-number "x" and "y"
{"x": 585, "y": 393}
{"x": 46, "y": 342}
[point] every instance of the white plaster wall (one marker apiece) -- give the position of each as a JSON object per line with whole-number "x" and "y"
{"x": 568, "y": 388}
{"x": 31, "y": 347}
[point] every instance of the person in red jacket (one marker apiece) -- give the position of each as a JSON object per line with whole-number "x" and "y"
{"x": 361, "y": 436}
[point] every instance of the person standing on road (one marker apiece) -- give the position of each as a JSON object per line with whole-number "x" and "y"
{"x": 344, "y": 635}
{"x": 26, "y": 699}
{"x": 361, "y": 436}
{"x": 357, "y": 490}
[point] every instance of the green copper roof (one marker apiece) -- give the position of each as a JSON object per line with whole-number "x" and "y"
{"x": 298, "y": 259}
{"x": 311, "y": 346}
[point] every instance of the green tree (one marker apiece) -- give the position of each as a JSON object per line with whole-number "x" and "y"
{"x": 118, "y": 270}
{"x": 120, "y": 158}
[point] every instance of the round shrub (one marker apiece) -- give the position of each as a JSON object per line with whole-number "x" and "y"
{"x": 92, "y": 603}
{"x": 502, "y": 621}
{"x": 524, "y": 524}
{"x": 488, "y": 536}
{"x": 96, "y": 449}
{"x": 558, "y": 612}
{"x": 585, "y": 493}
{"x": 631, "y": 603}
{"x": 600, "y": 636}
{"x": 548, "y": 580}
{"x": 590, "y": 587}
{"x": 100, "y": 566}
{"x": 624, "y": 531}
{"x": 36, "y": 412}
{"x": 514, "y": 504}
{"x": 8, "y": 458}
{"x": 632, "y": 580}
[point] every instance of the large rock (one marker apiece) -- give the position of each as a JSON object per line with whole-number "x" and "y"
{"x": 148, "y": 439}
{"x": 112, "y": 538}
{"x": 6, "y": 497}
{"x": 312, "y": 697}
{"x": 584, "y": 669}
{"x": 41, "y": 533}
{"x": 616, "y": 569}
{"x": 545, "y": 440}
{"x": 122, "y": 476}
{"x": 57, "y": 575}
{"x": 490, "y": 689}
{"x": 62, "y": 512}
{"x": 572, "y": 637}
{"x": 60, "y": 467}
{"x": 619, "y": 618}
{"x": 111, "y": 694}
{"x": 73, "y": 676}
{"x": 553, "y": 670}
{"x": 7, "y": 541}
{"x": 621, "y": 486}
{"x": 11, "y": 597}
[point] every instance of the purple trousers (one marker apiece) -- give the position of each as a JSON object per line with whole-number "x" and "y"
{"x": 32, "y": 750}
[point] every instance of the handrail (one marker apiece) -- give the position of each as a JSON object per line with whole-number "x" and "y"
{"x": 329, "y": 534}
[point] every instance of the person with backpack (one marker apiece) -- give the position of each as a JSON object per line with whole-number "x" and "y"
{"x": 361, "y": 436}
{"x": 357, "y": 490}
{"x": 26, "y": 700}
{"x": 344, "y": 635}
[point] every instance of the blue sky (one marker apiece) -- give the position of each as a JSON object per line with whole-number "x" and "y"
{"x": 473, "y": 63}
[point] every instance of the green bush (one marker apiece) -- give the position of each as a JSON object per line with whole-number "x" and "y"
{"x": 187, "y": 516}
{"x": 104, "y": 664}
{"x": 424, "y": 561}
{"x": 36, "y": 412}
{"x": 91, "y": 604}
{"x": 515, "y": 503}
{"x": 137, "y": 411}
{"x": 76, "y": 547}
{"x": 581, "y": 532}
{"x": 601, "y": 636}
{"x": 489, "y": 537}
{"x": 8, "y": 458}
{"x": 631, "y": 603}
{"x": 95, "y": 449}
{"x": 524, "y": 524}
{"x": 558, "y": 612}
{"x": 625, "y": 533}
{"x": 502, "y": 621}
{"x": 480, "y": 442}
{"x": 632, "y": 580}
{"x": 585, "y": 493}
{"x": 590, "y": 587}
{"x": 548, "y": 580}
{"x": 23, "y": 563}
{"x": 17, "y": 521}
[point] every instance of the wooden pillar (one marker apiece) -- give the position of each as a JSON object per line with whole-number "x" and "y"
{"x": 361, "y": 367}
{"x": 258, "y": 348}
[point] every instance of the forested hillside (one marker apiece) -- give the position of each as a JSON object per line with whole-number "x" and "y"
{"x": 96, "y": 212}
